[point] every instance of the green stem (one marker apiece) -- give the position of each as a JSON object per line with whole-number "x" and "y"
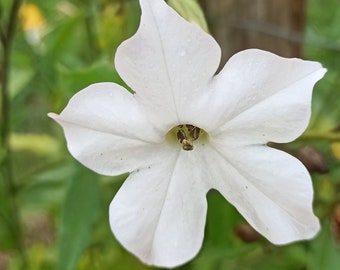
{"x": 323, "y": 136}
{"x": 6, "y": 162}
{"x": 91, "y": 25}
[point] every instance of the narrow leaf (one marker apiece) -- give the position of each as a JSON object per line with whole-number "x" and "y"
{"x": 325, "y": 251}
{"x": 78, "y": 218}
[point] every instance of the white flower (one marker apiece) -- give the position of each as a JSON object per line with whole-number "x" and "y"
{"x": 186, "y": 131}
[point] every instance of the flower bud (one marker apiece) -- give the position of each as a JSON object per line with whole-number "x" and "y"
{"x": 335, "y": 223}
{"x": 246, "y": 233}
{"x": 313, "y": 160}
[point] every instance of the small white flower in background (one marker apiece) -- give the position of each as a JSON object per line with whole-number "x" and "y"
{"x": 186, "y": 131}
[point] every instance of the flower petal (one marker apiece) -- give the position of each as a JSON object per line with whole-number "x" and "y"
{"x": 262, "y": 97}
{"x": 167, "y": 62}
{"x": 270, "y": 188}
{"x": 106, "y": 131}
{"x": 159, "y": 213}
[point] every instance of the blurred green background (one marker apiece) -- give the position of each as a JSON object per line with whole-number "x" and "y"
{"x": 55, "y": 216}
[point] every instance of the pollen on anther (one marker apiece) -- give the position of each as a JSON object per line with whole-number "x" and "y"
{"x": 186, "y": 135}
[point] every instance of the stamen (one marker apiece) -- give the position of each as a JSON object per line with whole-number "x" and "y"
{"x": 187, "y": 145}
{"x": 194, "y": 132}
{"x": 186, "y": 134}
{"x": 181, "y": 136}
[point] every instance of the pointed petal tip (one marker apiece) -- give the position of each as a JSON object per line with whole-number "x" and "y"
{"x": 52, "y": 115}
{"x": 324, "y": 70}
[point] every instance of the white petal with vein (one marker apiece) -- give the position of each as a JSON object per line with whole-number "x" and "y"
{"x": 262, "y": 88}
{"x": 168, "y": 62}
{"x": 106, "y": 131}
{"x": 270, "y": 188}
{"x": 159, "y": 213}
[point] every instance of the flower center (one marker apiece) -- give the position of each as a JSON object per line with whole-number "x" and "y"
{"x": 186, "y": 135}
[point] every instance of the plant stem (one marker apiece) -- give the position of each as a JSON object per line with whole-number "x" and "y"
{"x": 91, "y": 29}
{"x": 6, "y": 162}
{"x": 324, "y": 136}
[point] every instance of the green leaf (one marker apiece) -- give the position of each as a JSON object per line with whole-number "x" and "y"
{"x": 325, "y": 252}
{"x": 44, "y": 189}
{"x": 58, "y": 41}
{"x": 6, "y": 236}
{"x": 72, "y": 80}
{"x": 78, "y": 218}
{"x": 19, "y": 78}
{"x": 40, "y": 144}
{"x": 191, "y": 11}
{"x": 118, "y": 21}
{"x": 222, "y": 218}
